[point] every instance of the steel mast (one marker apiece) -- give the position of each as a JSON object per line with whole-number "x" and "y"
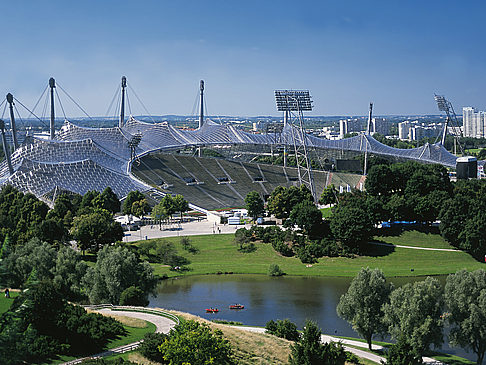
{"x": 52, "y": 85}
{"x": 12, "y": 120}
{"x": 122, "y": 104}
{"x": 5, "y": 147}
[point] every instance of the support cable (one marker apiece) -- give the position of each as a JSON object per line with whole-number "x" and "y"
{"x": 128, "y": 103}
{"x": 140, "y": 101}
{"x": 38, "y": 100}
{"x": 74, "y": 101}
{"x": 111, "y": 103}
{"x": 62, "y": 108}
{"x": 31, "y": 112}
{"x": 4, "y": 109}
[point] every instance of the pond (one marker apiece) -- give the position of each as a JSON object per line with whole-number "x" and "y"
{"x": 266, "y": 298}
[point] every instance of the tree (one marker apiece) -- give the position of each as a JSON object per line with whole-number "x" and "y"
{"x": 95, "y": 229}
{"x": 131, "y": 198}
{"x": 107, "y": 200}
{"x": 254, "y": 204}
{"x": 133, "y": 296}
{"x": 283, "y": 328}
{"x": 116, "y": 269}
{"x": 68, "y": 273}
{"x": 140, "y": 208}
{"x": 414, "y": 313}
{"x": 402, "y": 353}
{"x": 306, "y": 216}
{"x": 180, "y": 204}
{"x": 328, "y": 195}
{"x": 310, "y": 351}
{"x": 362, "y": 304}
{"x": 282, "y": 200}
{"x": 465, "y": 298}
{"x": 150, "y": 346}
{"x": 191, "y": 342}
{"x": 351, "y": 222}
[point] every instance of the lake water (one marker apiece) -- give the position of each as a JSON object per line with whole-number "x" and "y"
{"x": 266, "y": 298}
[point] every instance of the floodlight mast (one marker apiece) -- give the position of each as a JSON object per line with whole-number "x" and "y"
{"x": 445, "y": 105}
{"x": 122, "y": 104}
{"x": 290, "y": 101}
{"x": 201, "y": 104}
{"x": 368, "y": 131}
{"x": 12, "y": 120}
{"x": 52, "y": 85}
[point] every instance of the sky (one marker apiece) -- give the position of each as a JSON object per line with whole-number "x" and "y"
{"x": 396, "y": 54}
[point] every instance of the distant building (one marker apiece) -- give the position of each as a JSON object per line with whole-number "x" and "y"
{"x": 415, "y": 131}
{"x": 404, "y": 130}
{"x": 380, "y": 125}
{"x": 349, "y": 126}
{"x": 474, "y": 122}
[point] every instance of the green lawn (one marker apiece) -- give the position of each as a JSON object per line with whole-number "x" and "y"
{"x": 416, "y": 239}
{"x": 5, "y": 303}
{"x": 134, "y": 334}
{"x": 219, "y": 254}
{"x": 326, "y": 212}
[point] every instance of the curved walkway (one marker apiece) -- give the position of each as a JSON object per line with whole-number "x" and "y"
{"x": 163, "y": 322}
{"x": 415, "y": 247}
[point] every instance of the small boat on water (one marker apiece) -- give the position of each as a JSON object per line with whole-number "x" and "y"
{"x": 237, "y": 306}
{"x": 212, "y": 310}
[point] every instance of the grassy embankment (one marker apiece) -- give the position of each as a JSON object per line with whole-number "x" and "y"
{"x": 5, "y": 303}
{"x": 218, "y": 253}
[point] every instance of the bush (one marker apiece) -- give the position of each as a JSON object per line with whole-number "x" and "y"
{"x": 305, "y": 255}
{"x": 133, "y": 296}
{"x": 283, "y": 328}
{"x": 194, "y": 343}
{"x": 272, "y": 233}
{"x": 187, "y": 245}
{"x": 402, "y": 353}
{"x": 150, "y": 346}
{"x": 275, "y": 270}
{"x": 282, "y": 248}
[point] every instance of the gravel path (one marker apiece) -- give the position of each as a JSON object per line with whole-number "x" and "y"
{"x": 415, "y": 248}
{"x": 163, "y": 324}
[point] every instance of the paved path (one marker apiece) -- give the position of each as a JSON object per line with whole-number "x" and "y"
{"x": 415, "y": 248}
{"x": 186, "y": 229}
{"x": 161, "y": 323}
{"x": 361, "y": 353}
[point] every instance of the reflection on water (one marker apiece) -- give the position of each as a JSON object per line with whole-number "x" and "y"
{"x": 264, "y": 298}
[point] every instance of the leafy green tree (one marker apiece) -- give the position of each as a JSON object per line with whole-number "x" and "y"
{"x": 254, "y": 204}
{"x": 402, "y": 353}
{"x": 283, "y": 328}
{"x": 351, "y": 222}
{"x": 159, "y": 214}
{"x": 306, "y": 216}
{"x": 329, "y": 195}
{"x": 95, "y": 229}
{"x": 117, "y": 269}
{"x": 52, "y": 230}
{"x": 191, "y": 342}
{"x": 362, "y": 304}
{"x": 282, "y": 200}
{"x": 33, "y": 255}
{"x": 132, "y": 197}
{"x": 181, "y": 205}
{"x": 414, "y": 312}
{"x": 88, "y": 198}
{"x": 150, "y": 346}
{"x": 275, "y": 270}
{"x": 133, "y": 296}
{"x": 140, "y": 208}
{"x": 107, "y": 200}
{"x": 465, "y": 298}
{"x": 310, "y": 351}
{"x": 69, "y": 271}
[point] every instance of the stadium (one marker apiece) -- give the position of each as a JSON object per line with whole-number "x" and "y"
{"x": 157, "y": 158}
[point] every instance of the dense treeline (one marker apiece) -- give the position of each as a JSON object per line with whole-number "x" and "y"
{"x": 42, "y": 324}
{"x": 415, "y": 313}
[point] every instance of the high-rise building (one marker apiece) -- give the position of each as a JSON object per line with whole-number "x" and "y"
{"x": 404, "y": 130}
{"x": 380, "y": 125}
{"x": 474, "y": 122}
{"x": 349, "y": 126}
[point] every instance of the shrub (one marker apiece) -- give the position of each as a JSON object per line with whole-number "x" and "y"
{"x": 402, "y": 353}
{"x": 275, "y": 270}
{"x": 305, "y": 256}
{"x": 150, "y": 346}
{"x": 133, "y": 296}
{"x": 283, "y": 328}
{"x": 282, "y": 248}
{"x": 187, "y": 245}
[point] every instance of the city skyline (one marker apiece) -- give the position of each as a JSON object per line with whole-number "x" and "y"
{"x": 395, "y": 55}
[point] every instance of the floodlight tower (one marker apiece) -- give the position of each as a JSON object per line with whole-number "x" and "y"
{"x": 5, "y": 147}
{"x": 201, "y": 104}
{"x": 370, "y": 115}
{"x": 294, "y": 103}
{"x": 122, "y": 104}
{"x": 52, "y": 85}
{"x": 445, "y": 105}
{"x": 133, "y": 144}
{"x": 12, "y": 120}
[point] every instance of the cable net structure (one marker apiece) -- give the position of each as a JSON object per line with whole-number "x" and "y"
{"x": 79, "y": 159}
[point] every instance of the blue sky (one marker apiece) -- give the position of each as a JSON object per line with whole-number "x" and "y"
{"x": 347, "y": 53}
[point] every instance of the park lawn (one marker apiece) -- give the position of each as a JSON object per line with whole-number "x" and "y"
{"x": 326, "y": 212}
{"x": 416, "y": 239}
{"x": 134, "y": 334}
{"x": 6, "y": 303}
{"x": 218, "y": 254}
